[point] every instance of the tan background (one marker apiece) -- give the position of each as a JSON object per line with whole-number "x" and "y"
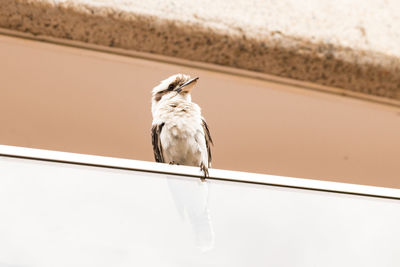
{"x": 68, "y": 99}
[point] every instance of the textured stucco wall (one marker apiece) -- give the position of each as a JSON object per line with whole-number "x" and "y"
{"x": 347, "y": 44}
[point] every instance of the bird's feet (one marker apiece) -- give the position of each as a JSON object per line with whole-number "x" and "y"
{"x": 173, "y": 163}
{"x": 204, "y": 169}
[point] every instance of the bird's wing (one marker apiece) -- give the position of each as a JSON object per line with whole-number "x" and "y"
{"x": 209, "y": 140}
{"x": 156, "y": 141}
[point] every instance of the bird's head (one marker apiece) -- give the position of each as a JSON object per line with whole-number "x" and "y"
{"x": 177, "y": 86}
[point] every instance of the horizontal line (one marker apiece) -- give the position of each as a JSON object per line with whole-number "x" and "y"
{"x": 193, "y": 172}
{"x": 204, "y": 66}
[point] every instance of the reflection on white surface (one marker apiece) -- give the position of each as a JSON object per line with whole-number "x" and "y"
{"x": 54, "y": 214}
{"x": 191, "y": 198}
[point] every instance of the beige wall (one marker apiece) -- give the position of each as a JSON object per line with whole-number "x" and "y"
{"x": 75, "y": 100}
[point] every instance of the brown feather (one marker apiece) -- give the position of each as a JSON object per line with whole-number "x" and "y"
{"x": 156, "y": 141}
{"x": 209, "y": 140}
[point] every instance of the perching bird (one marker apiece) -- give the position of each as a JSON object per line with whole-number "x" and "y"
{"x": 180, "y": 134}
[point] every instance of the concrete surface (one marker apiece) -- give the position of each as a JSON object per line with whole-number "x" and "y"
{"x": 346, "y": 44}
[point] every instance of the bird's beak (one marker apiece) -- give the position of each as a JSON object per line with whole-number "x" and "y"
{"x": 187, "y": 86}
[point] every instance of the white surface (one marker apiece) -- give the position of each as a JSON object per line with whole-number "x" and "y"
{"x": 55, "y": 214}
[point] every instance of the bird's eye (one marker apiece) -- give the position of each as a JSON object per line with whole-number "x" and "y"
{"x": 171, "y": 87}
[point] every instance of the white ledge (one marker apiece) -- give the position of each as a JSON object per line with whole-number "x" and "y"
{"x": 215, "y": 174}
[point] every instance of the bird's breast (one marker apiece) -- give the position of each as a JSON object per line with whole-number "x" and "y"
{"x": 182, "y": 127}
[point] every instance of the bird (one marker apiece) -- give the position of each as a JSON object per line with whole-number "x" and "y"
{"x": 179, "y": 133}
